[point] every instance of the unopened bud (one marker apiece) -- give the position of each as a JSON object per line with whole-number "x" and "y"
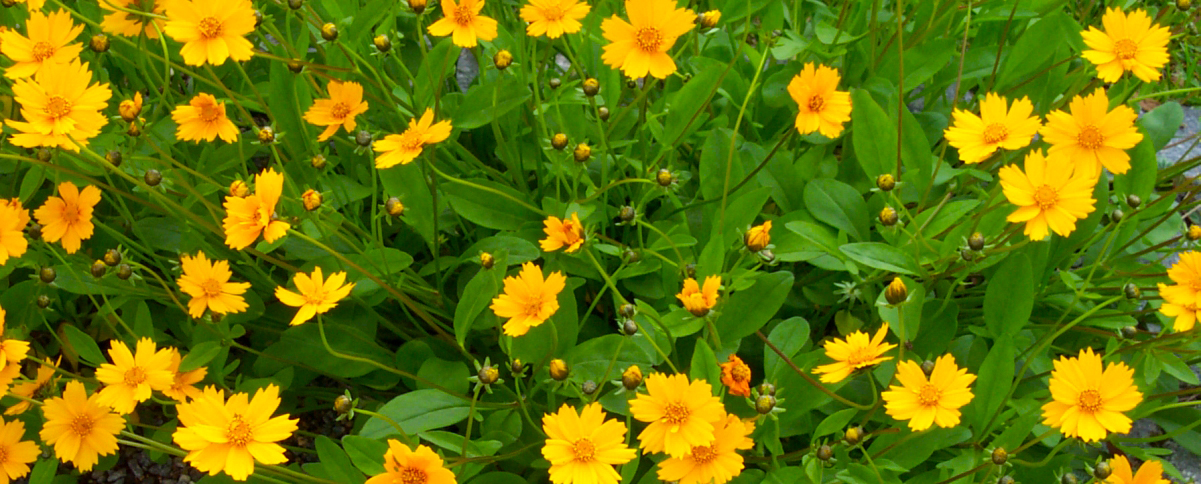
{"x": 113, "y": 157}
{"x": 690, "y": 270}
{"x": 34, "y": 230}
{"x": 112, "y": 257}
{"x": 486, "y": 260}
{"x": 266, "y": 135}
{"x": 47, "y": 275}
{"x": 558, "y": 141}
{"x": 382, "y": 43}
{"x": 559, "y": 370}
{"x": 853, "y": 435}
{"x": 627, "y": 310}
{"x": 1005, "y": 480}
{"x": 124, "y": 272}
{"x": 295, "y": 65}
{"x": 258, "y": 18}
{"x": 627, "y": 213}
{"x": 43, "y": 301}
{"x": 1129, "y": 331}
{"x": 1194, "y": 232}
{"x": 99, "y": 43}
{"x": 1069, "y": 478}
{"x": 129, "y": 109}
{"x": 1133, "y": 200}
{"x": 967, "y": 254}
{"x": 589, "y": 387}
{"x": 295, "y": 4}
{"x": 631, "y": 378}
{"x": 999, "y": 456}
{"x": 488, "y": 374}
{"x": 896, "y": 292}
{"x": 709, "y": 19}
{"x": 1116, "y": 215}
{"x": 329, "y": 32}
{"x": 927, "y": 367}
{"x": 394, "y": 207}
{"x": 825, "y": 453}
{"x": 976, "y": 241}
{"x": 631, "y": 84}
{"x": 516, "y": 366}
{"x": 311, "y": 199}
{"x": 363, "y": 138}
{"x": 1132, "y": 291}
{"x": 766, "y": 388}
{"x": 664, "y": 177}
{"x": 318, "y": 161}
{"x": 502, "y": 60}
{"x": 888, "y": 217}
{"x": 238, "y": 188}
{"x": 134, "y": 130}
{"x": 418, "y": 6}
{"x": 886, "y": 182}
{"x": 554, "y": 83}
{"x": 603, "y": 113}
{"x": 343, "y": 404}
{"x": 629, "y": 327}
{"x": 98, "y": 269}
{"x": 631, "y": 256}
{"x": 43, "y": 155}
{"x": 1184, "y": 4}
{"x": 152, "y": 177}
{"x": 1102, "y": 471}
{"x": 591, "y": 86}
{"x": 582, "y": 152}
{"x": 764, "y": 404}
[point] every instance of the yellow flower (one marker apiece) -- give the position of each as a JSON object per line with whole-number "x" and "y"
{"x": 758, "y": 237}
{"x": 1051, "y": 194}
{"x": 714, "y": 463}
{"x": 854, "y": 353}
{"x": 230, "y": 436}
{"x": 12, "y": 231}
{"x": 183, "y": 384}
{"x": 528, "y": 299}
{"x": 1150, "y": 473}
{"x": 48, "y": 43}
{"x": 403, "y": 466}
{"x": 463, "y": 21}
{"x": 698, "y": 300}
{"x": 1181, "y": 300}
{"x": 344, "y": 103}
{"x": 59, "y": 107}
{"x": 562, "y": 233}
{"x": 680, "y": 415}
{"x": 1129, "y": 43}
{"x": 736, "y": 376}
{"x": 32, "y": 4}
{"x": 131, "y": 377}
{"x": 553, "y": 18}
{"x": 211, "y": 30}
{"x": 23, "y": 214}
{"x": 584, "y": 447}
{"x": 203, "y": 118}
{"x": 403, "y": 148}
{"x": 1087, "y": 402}
{"x": 68, "y": 217}
{"x": 926, "y": 401}
{"x": 710, "y": 18}
{"x": 31, "y": 389}
{"x": 1092, "y": 136}
{"x": 639, "y": 47}
{"x": 12, "y": 352}
{"x": 997, "y": 127}
{"x": 821, "y": 106}
{"x": 247, "y": 217}
{"x": 124, "y": 23}
{"x": 317, "y": 295}
{"x": 15, "y": 454}
{"x": 208, "y": 284}
{"x": 80, "y": 428}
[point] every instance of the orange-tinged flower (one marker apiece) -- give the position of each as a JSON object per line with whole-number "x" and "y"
{"x": 344, "y": 103}
{"x": 183, "y": 383}
{"x": 736, "y": 376}
{"x": 463, "y": 21}
{"x": 997, "y": 127}
{"x": 758, "y": 237}
{"x": 821, "y": 106}
{"x": 681, "y": 414}
{"x": 1129, "y": 43}
{"x": 403, "y": 148}
{"x": 12, "y": 230}
{"x": 59, "y": 107}
{"x": 15, "y": 454}
{"x": 584, "y": 447}
{"x": 1151, "y": 472}
{"x": 33, "y": 388}
{"x": 528, "y": 299}
{"x": 129, "y": 109}
{"x": 1087, "y": 402}
{"x": 121, "y": 22}
{"x": 208, "y": 284}
{"x": 232, "y": 435}
{"x": 402, "y": 465}
{"x": 927, "y": 401}
{"x": 22, "y": 212}
{"x": 32, "y": 4}
{"x": 73, "y": 442}
{"x": 1051, "y": 194}
{"x": 48, "y": 43}
{"x": 211, "y": 30}
{"x": 562, "y": 233}
{"x": 699, "y": 300}
{"x": 203, "y": 118}
{"x": 553, "y": 18}
{"x": 248, "y": 217}
{"x": 131, "y": 377}
{"x": 856, "y": 352}
{"x": 639, "y": 47}
{"x": 714, "y": 463}
{"x": 1092, "y": 136}
{"x": 68, "y": 217}
{"x": 317, "y": 295}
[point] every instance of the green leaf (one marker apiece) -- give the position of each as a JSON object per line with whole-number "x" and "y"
{"x": 834, "y": 422}
{"x": 881, "y": 256}
{"x": 874, "y": 137}
{"x": 1161, "y": 123}
{"x": 382, "y": 262}
{"x": 84, "y": 345}
{"x": 199, "y": 355}
{"x": 1034, "y": 50}
{"x": 406, "y": 183}
{"x": 681, "y": 323}
{"x": 790, "y": 336}
{"x": 996, "y": 374}
{"x": 417, "y": 411}
{"x": 498, "y": 478}
{"x": 482, "y": 205}
{"x": 487, "y": 101}
{"x": 367, "y": 454}
{"x": 838, "y": 205}
{"x": 1144, "y": 167}
{"x": 476, "y": 297}
{"x": 704, "y": 365}
{"x": 43, "y": 472}
{"x": 750, "y": 309}
{"x": 689, "y": 102}
{"x": 337, "y": 462}
{"x": 1009, "y": 298}
{"x": 594, "y": 359}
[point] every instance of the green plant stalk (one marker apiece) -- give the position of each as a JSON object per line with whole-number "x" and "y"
{"x": 808, "y": 379}
{"x": 725, "y": 193}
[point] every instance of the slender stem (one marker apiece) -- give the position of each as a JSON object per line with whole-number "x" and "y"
{"x": 808, "y": 379}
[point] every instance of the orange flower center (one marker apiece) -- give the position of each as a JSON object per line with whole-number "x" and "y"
{"x": 410, "y": 141}
{"x": 741, "y": 373}
{"x": 1195, "y": 285}
{"x": 1090, "y": 400}
{"x": 816, "y": 102}
{"x": 43, "y": 50}
{"x": 995, "y": 133}
{"x": 57, "y": 107}
{"x": 1125, "y": 49}
{"x": 1090, "y": 137}
{"x": 70, "y": 214}
{"x": 239, "y": 432}
{"x": 585, "y": 450}
{"x": 318, "y": 296}
{"x": 649, "y": 39}
{"x": 81, "y": 425}
{"x": 676, "y": 413}
{"x": 704, "y": 454}
{"x": 212, "y": 287}
{"x": 209, "y": 27}
{"x": 411, "y": 475}
{"x": 210, "y": 112}
{"x": 464, "y": 16}
{"x": 1046, "y": 197}
{"x": 340, "y": 110}
{"x": 553, "y": 13}
{"x": 861, "y": 357}
{"x": 570, "y": 232}
{"x": 3, "y": 455}
{"x": 135, "y": 376}
{"x": 533, "y": 305}
{"x": 929, "y": 395}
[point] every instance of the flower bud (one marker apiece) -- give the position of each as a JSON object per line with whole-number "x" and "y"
{"x": 1133, "y": 200}
{"x": 418, "y": 6}
{"x": 690, "y": 270}
{"x": 43, "y": 301}
{"x": 343, "y": 404}
{"x": 113, "y": 157}
{"x": 1129, "y": 331}
{"x": 34, "y": 230}
{"x": 631, "y": 256}
{"x": 363, "y": 138}
{"x": 47, "y": 275}
{"x": 582, "y": 152}
{"x": 318, "y": 161}
{"x": 967, "y": 255}
{"x": 124, "y": 272}
{"x": 1116, "y": 215}
{"x": 1184, "y": 4}
{"x": 516, "y": 366}
{"x": 1194, "y": 232}
{"x": 888, "y": 217}
{"x": 559, "y": 370}
{"x": 631, "y": 378}
{"x": 486, "y": 260}
{"x": 976, "y": 241}
{"x": 631, "y": 84}
{"x": 99, "y": 43}
{"x": 591, "y": 86}
{"x": 502, "y": 60}
{"x": 896, "y": 292}
{"x": 627, "y": 310}
{"x": 554, "y": 83}
{"x": 258, "y": 18}
{"x": 266, "y": 135}
{"x": 134, "y": 130}
{"x": 1005, "y": 480}
{"x": 886, "y": 182}
{"x": 764, "y": 404}
{"x": 927, "y": 367}
{"x": 825, "y": 453}
{"x": 382, "y": 43}
{"x": 488, "y": 374}
{"x": 1102, "y": 471}
{"x": 329, "y": 32}
{"x": 1069, "y": 478}
{"x": 43, "y": 155}
{"x": 295, "y": 4}
{"x": 603, "y": 113}
{"x": 558, "y": 141}
{"x": 295, "y": 66}
{"x": 589, "y": 387}
{"x": 999, "y": 456}
{"x": 1132, "y": 291}
{"x": 152, "y": 177}
{"x": 394, "y": 207}
{"x": 853, "y": 435}
{"x": 98, "y": 269}
{"x": 766, "y": 388}
{"x": 112, "y": 257}
{"x": 664, "y": 177}
{"x": 238, "y": 189}
{"x": 629, "y": 327}
{"x": 130, "y": 108}
{"x": 709, "y": 19}
{"x": 627, "y": 213}
{"x": 311, "y": 199}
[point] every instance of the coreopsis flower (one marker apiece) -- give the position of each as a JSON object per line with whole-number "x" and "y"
{"x": 211, "y": 30}
{"x": 23, "y": 213}
{"x": 31, "y": 389}
{"x": 183, "y": 383}
{"x": 131, "y": 377}
{"x": 699, "y": 300}
{"x": 208, "y": 284}
{"x": 317, "y": 294}
{"x": 48, "y": 43}
{"x": 15, "y": 454}
{"x": 1151, "y": 472}
{"x": 1129, "y": 43}
{"x": 32, "y": 4}
{"x": 121, "y": 22}
{"x": 997, "y": 127}
{"x": 12, "y": 353}
{"x": 528, "y": 300}
{"x": 562, "y": 233}
{"x": 758, "y": 237}
{"x": 680, "y": 414}
{"x": 639, "y": 47}
{"x": 403, "y": 148}
{"x": 129, "y": 109}
{"x": 926, "y": 401}
{"x": 1051, "y": 195}
{"x": 821, "y": 106}
{"x": 203, "y": 118}
{"x": 344, "y": 103}
{"x": 402, "y": 465}
{"x": 59, "y": 107}
{"x": 736, "y": 376}
{"x": 1087, "y": 402}
{"x": 68, "y": 217}
{"x": 553, "y": 18}
{"x": 232, "y": 435}
{"x": 1181, "y": 299}
{"x": 74, "y": 442}
{"x": 584, "y": 447}
{"x": 854, "y": 353}
{"x": 1092, "y": 136}
{"x": 714, "y": 463}
{"x": 247, "y": 217}
{"x": 463, "y": 21}
{"x": 13, "y": 219}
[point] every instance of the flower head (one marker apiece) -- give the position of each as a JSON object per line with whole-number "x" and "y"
{"x": 1087, "y": 402}
{"x": 714, "y": 463}
{"x": 232, "y": 435}
{"x": 926, "y": 401}
{"x": 562, "y": 233}
{"x": 121, "y": 22}
{"x": 344, "y": 103}
{"x": 681, "y": 414}
{"x": 131, "y": 377}
{"x": 553, "y": 18}
{"x": 211, "y": 30}
{"x": 1051, "y": 194}
{"x": 208, "y": 284}
{"x": 48, "y": 43}
{"x": 463, "y": 20}
{"x": 856, "y": 352}
{"x": 1092, "y": 136}
{"x": 31, "y": 389}
{"x": 997, "y": 127}
{"x": 12, "y": 352}
{"x": 13, "y": 219}
{"x": 1150, "y": 473}
{"x": 59, "y": 107}
{"x": 699, "y": 300}
{"x": 528, "y": 299}
{"x": 584, "y": 447}
{"x": 80, "y": 428}
{"x": 15, "y": 454}
{"x": 68, "y": 217}
{"x": 203, "y": 118}
{"x": 736, "y": 376}
{"x": 247, "y": 217}
{"x": 1129, "y": 43}
{"x": 403, "y": 466}
{"x": 820, "y": 105}
{"x": 317, "y": 295}
{"x": 1183, "y": 299}
{"x": 403, "y": 148}
{"x": 183, "y": 383}
{"x": 639, "y": 47}
{"x": 758, "y": 237}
